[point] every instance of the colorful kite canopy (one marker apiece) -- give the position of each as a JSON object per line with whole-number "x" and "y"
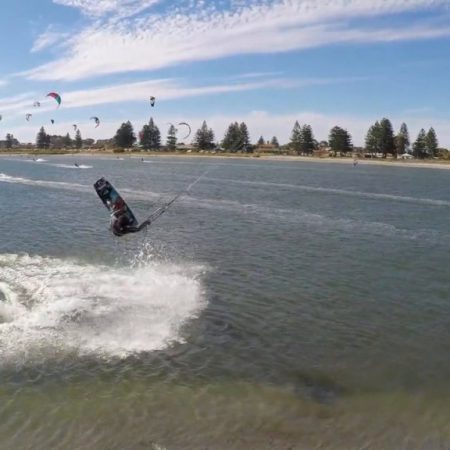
{"x": 55, "y": 96}
{"x": 96, "y": 120}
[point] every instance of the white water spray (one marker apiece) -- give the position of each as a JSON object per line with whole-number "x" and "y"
{"x": 53, "y": 305}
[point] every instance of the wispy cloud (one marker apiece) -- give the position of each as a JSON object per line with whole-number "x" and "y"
{"x": 193, "y": 31}
{"x": 170, "y": 89}
{"x": 98, "y": 8}
{"x": 15, "y": 105}
{"x": 140, "y": 92}
{"x": 48, "y": 38}
{"x": 257, "y": 75}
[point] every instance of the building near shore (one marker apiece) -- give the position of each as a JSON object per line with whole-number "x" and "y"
{"x": 103, "y": 144}
{"x": 14, "y": 144}
{"x": 267, "y": 148}
{"x": 323, "y": 152}
{"x": 186, "y": 148}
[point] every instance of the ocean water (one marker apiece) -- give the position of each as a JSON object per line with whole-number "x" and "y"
{"x": 276, "y": 305}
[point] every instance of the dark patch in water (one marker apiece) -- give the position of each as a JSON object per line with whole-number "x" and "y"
{"x": 319, "y": 387}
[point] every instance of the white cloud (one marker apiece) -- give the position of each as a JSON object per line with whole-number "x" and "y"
{"x": 16, "y": 104}
{"x": 195, "y": 32}
{"x": 170, "y": 89}
{"x": 162, "y": 89}
{"x": 97, "y": 8}
{"x": 48, "y": 38}
{"x": 257, "y": 74}
{"x": 140, "y": 92}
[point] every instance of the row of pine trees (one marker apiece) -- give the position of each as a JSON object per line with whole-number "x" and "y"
{"x": 236, "y": 139}
{"x": 44, "y": 140}
{"x": 380, "y": 139}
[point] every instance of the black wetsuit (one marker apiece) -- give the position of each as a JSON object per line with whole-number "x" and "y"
{"x": 121, "y": 225}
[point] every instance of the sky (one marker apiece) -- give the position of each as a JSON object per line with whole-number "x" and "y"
{"x": 265, "y": 62}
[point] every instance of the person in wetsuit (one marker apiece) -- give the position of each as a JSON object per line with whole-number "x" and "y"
{"x": 121, "y": 225}
{"x": 122, "y": 219}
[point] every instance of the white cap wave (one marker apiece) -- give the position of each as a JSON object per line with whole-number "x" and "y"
{"x": 49, "y": 304}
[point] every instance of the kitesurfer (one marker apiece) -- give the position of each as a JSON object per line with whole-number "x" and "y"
{"x": 122, "y": 218}
{"x": 122, "y": 225}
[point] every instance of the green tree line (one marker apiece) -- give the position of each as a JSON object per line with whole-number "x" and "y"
{"x": 380, "y": 140}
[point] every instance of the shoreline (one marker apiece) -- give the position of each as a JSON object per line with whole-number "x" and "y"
{"x": 434, "y": 164}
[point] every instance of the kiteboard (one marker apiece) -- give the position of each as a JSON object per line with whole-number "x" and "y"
{"x": 114, "y": 202}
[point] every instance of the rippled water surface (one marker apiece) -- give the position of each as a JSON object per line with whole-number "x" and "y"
{"x": 278, "y": 305}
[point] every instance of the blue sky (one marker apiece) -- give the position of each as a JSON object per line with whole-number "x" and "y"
{"x": 265, "y": 62}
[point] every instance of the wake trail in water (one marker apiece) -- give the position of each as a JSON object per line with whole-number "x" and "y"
{"x": 306, "y": 188}
{"x": 50, "y": 305}
{"x": 71, "y": 166}
{"x": 44, "y": 162}
{"x": 134, "y": 194}
{"x": 4, "y": 178}
{"x": 276, "y": 214}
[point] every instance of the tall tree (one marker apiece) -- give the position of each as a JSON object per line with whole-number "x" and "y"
{"x": 432, "y": 143}
{"x": 245, "y": 137}
{"x": 307, "y": 142}
{"x": 171, "y": 141}
{"x": 420, "y": 146}
{"x": 78, "y": 140}
{"x": 144, "y": 137}
{"x": 340, "y": 141}
{"x": 373, "y": 138}
{"x": 296, "y": 138}
{"x": 204, "y": 137}
{"x": 233, "y": 139}
{"x": 67, "y": 141}
{"x": 151, "y": 136}
{"x": 42, "y": 139}
{"x": 401, "y": 141}
{"x": 9, "y": 141}
{"x": 386, "y": 137}
{"x": 275, "y": 142}
{"x": 261, "y": 141}
{"x": 405, "y": 133}
{"x": 125, "y": 136}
